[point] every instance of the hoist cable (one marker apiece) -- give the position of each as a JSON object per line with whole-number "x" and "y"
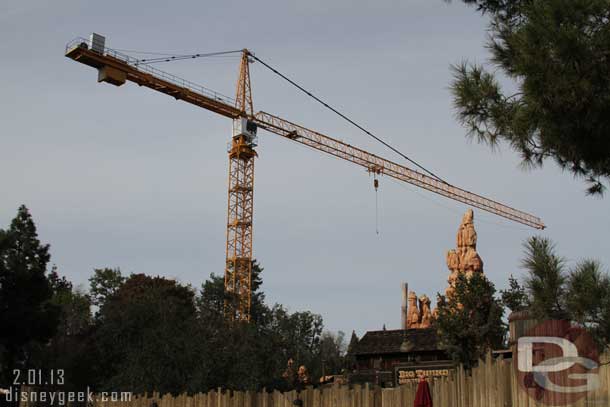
{"x": 302, "y": 89}
{"x": 377, "y": 211}
{"x": 308, "y": 93}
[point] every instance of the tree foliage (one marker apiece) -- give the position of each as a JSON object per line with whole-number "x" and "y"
{"x": 148, "y": 333}
{"x": 546, "y": 279}
{"x": 515, "y": 298}
{"x": 332, "y": 352}
{"x": 104, "y": 284}
{"x": 469, "y": 322}
{"x": 557, "y": 53}
{"x": 71, "y": 349}
{"x": 551, "y": 290}
{"x": 27, "y": 316}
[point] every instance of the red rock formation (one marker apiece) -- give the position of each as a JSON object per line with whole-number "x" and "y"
{"x": 413, "y": 314}
{"x": 464, "y": 259}
{"x": 418, "y": 315}
{"x": 426, "y": 313}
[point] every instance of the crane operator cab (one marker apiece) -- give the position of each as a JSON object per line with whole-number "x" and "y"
{"x": 242, "y": 127}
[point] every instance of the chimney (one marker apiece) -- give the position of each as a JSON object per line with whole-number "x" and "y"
{"x": 403, "y": 308}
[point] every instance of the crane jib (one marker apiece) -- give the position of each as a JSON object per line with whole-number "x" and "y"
{"x": 381, "y": 165}
{"x": 117, "y": 68}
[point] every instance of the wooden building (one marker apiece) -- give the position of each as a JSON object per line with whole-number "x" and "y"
{"x": 392, "y": 357}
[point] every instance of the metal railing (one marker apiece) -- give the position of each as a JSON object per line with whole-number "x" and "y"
{"x": 137, "y": 64}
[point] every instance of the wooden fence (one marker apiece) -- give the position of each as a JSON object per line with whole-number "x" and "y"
{"x": 492, "y": 384}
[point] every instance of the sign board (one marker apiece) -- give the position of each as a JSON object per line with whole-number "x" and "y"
{"x": 405, "y": 374}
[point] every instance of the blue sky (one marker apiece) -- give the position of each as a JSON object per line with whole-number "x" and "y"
{"x": 125, "y": 177}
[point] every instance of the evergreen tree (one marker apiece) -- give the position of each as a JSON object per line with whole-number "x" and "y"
{"x": 546, "y": 279}
{"x": 469, "y": 322}
{"x": 515, "y": 298}
{"x": 27, "y": 316}
{"x": 211, "y": 302}
{"x": 588, "y": 299}
{"x": 557, "y": 52}
{"x": 580, "y": 294}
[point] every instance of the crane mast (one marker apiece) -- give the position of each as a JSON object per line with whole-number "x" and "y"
{"x": 116, "y": 68}
{"x": 238, "y": 269}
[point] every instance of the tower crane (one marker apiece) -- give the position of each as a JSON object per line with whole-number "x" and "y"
{"x": 116, "y": 68}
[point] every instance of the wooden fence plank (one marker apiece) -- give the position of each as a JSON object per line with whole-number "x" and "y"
{"x": 493, "y": 383}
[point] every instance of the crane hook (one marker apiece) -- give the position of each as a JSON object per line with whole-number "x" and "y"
{"x": 376, "y": 186}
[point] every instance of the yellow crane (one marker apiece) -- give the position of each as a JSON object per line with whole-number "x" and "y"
{"x": 117, "y": 68}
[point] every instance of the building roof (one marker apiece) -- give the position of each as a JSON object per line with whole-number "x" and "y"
{"x": 396, "y": 341}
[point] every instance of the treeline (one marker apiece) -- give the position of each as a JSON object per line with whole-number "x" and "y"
{"x": 141, "y": 333}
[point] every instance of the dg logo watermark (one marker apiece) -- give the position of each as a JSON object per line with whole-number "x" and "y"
{"x": 557, "y": 363}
